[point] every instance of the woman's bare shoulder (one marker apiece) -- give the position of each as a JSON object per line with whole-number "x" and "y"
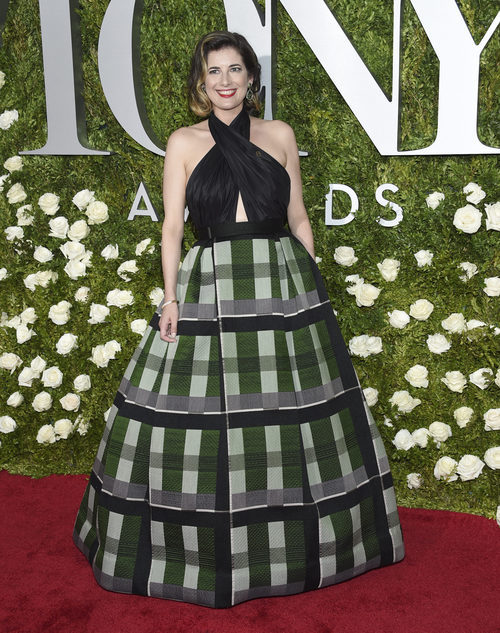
{"x": 274, "y": 127}
{"x": 184, "y": 137}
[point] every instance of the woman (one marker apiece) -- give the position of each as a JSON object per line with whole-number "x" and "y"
{"x": 239, "y": 459}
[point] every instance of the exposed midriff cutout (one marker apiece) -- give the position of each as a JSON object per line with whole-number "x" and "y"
{"x": 241, "y": 215}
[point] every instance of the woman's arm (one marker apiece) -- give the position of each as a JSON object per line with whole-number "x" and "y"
{"x": 297, "y": 214}
{"x": 174, "y": 186}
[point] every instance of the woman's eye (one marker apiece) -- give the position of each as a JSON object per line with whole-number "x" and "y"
{"x": 212, "y": 71}
{"x": 237, "y": 69}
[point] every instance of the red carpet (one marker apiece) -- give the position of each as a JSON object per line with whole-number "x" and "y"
{"x": 448, "y": 582}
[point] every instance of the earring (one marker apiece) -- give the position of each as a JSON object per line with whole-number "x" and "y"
{"x": 249, "y": 95}
{"x": 203, "y": 87}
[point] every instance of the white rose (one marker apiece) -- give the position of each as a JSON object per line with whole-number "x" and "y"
{"x": 129, "y": 266}
{"x": 98, "y": 313}
{"x": 75, "y": 268}
{"x": 14, "y": 163}
{"x": 492, "y": 216}
{"x": 97, "y": 212}
{"x": 467, "y": 219}
{"x": 82, "y": 294}
{"x": 82, "y": 382}
{"x": 358, "y": 347}
{"x": 3, "y": 178}
{"x": 414, "y": 480}
{"x": 492, "y": 420}
{"x": 16, "y": 193}
{"x": 14, "y": 233}
{"x": 26, "y": 377}
{"x": 475, "y": 323}
{"x": 492, "y": 457}
{"x": 10, "y": 361}
{"x": 52, "y": 377}
{"x": 143, "y": 244}
{"x": 44, "y": 277}
{"x": 112, "y": 347}
{"x": 3, "y": 273}
{"x": 15, "y": 322}
{"x": 403, "y": 440}
{"x": 440, "y": 432}
{"x": 365, "y": 345}
{"x": 424, "y": 258}
{"x": 23, "y": 217}
{"x": 70, "y": 402}
{"x": 66, "y": 343}
{"x": 417, "y": 376}
{"x": 156, "y": 295}
{"x": 63, "y": 428}
{"x": 438, "y": 343}
{"x": 470, "y": 270}
{"x": 355, "y": 281}
{"x": 445, "y": 468}
{"x": 110, "y": 251}
{"x": 455, "y": 323}
{"x": 476, "y": 194}
{"x": 42, "y": 401}
{"x": 83, "y": 198}
{"x": 119, "y": 298}
{"x": 15, "y": 399}
{"x": 139, "y": 326}
{"x": 99, "y": 356}
{"x": 479, "y": 379}
{"x": 59, "y": 227}
{"x": 374, "y": 344}
{"x": 23, "y": 333}
{"x": 345, "y": 256}
{"x": 433, "y": 199}
{"x": 366, "y": 294}
{"x": 82, "y": 426}
{"x": 387, "y": 422}
{"x": 7, "y": 424}
{"x": 42, "y": 254}
{"x": 28, "y": 315}
{"x": 78, "y": 230}
{"x": 492, "y": 286}
{"x": 421, "y": 437}
{"x": 371, "y": 396}
{"x": 389, "y": 268}
{"x": 49, "y": 203}
{"x": 72, "y": 250}
{"x": 7, "y": 118}
{"x": 46, "y": 434}
{"x": 31, "y": 281}
{"x": 38, "y": 364}
{"x": 59, "y": 313}
{"x": 463, "y": 416}
{"x": 455, "y": 381}
{"x": 497, "y": 378}
{"x": 421, "y": 309}
{"x": 469, "y": 467}
{"x": 2, "y": 79}
{"x": 404, "y": 401}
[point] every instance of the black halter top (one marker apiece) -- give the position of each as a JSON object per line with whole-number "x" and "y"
{"x": 235, "y": 165}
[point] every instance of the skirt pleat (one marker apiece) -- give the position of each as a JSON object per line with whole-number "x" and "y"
{"x": 241, "y": 461}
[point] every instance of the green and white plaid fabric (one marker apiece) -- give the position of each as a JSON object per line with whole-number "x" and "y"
{"x": 241, "y": 461}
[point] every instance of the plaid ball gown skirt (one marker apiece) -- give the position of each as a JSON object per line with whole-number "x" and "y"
{"x": 241, "y": 461}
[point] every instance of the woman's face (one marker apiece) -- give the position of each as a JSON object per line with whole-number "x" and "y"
{"x": 227, "y": 79}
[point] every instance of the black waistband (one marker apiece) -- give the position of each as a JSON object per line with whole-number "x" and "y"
{"x": 230, "y": 229}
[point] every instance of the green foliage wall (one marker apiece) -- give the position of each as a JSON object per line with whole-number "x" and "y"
{"x": 339, "y": 151}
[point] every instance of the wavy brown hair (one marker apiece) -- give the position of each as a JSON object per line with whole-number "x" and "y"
{"x": 199, "y": 103}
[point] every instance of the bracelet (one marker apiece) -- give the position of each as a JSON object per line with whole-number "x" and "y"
{"x": 167, "y": 303}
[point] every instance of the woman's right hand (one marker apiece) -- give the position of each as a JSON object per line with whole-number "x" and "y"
{"x": 168, "y": 323}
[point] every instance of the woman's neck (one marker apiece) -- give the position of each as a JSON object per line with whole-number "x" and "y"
{"x": 227, "y": 116}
